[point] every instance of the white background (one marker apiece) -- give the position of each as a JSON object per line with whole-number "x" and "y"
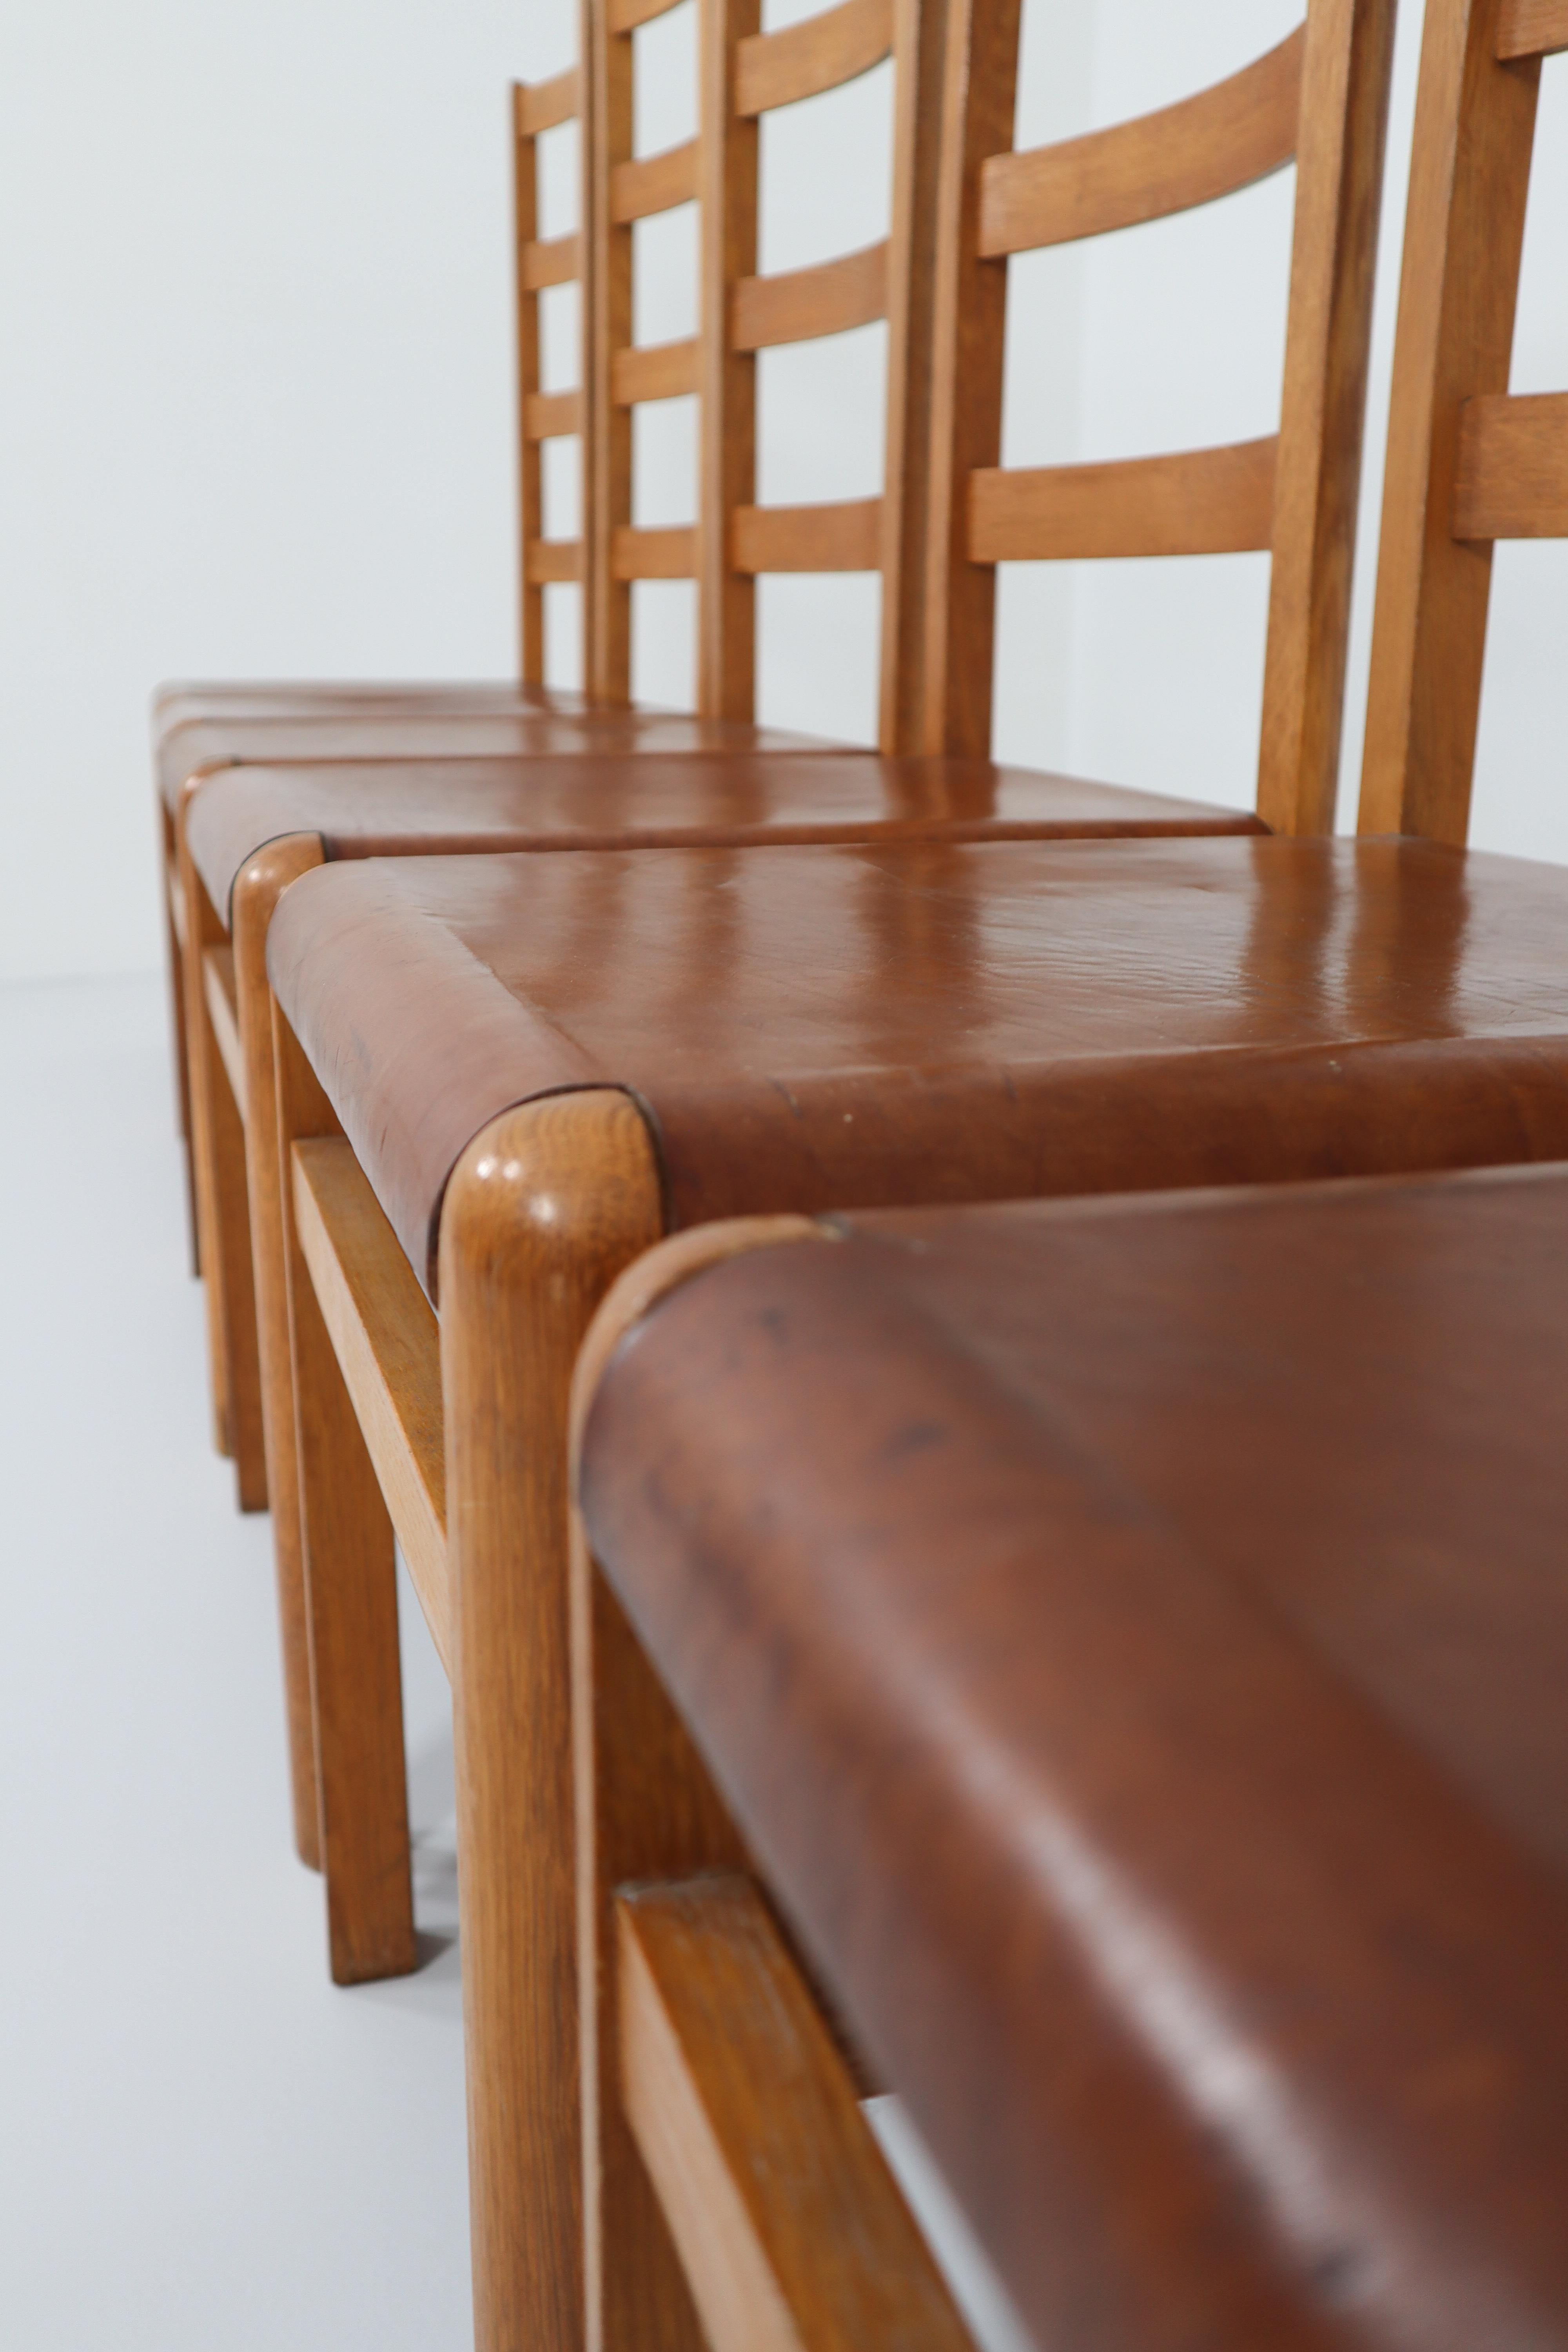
{"x": 256, "y": 399}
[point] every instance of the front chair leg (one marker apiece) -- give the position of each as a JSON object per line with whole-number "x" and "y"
{"x": 351, "y": 1595}
{"x": 542, "y": 1212}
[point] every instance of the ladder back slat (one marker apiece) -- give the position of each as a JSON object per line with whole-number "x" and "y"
{"x": 1532, "y": 28}
{"x": 551, "y": 261}
{"x": 1511, "y": 482}
{"x": 798, "y": 304}
{"x": 1207, "y": 146}
{"x": 654, "y": 183}
{"x": 551, "y": 559}
{"x": 552, "y": 416}
{"x": 802, "y": 60}
{"x": 654, "y": 554}
{"x": 845, "y": 537}
{"x": 626, "y": 16}
{"x": 1196, "y": 502}
{"x": 655, "y": 371}
{"x": 541, "y": 105}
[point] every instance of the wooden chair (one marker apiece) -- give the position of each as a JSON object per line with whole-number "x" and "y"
{"x": 501, "y": 1078}
{"x": 1110, "y": 1652}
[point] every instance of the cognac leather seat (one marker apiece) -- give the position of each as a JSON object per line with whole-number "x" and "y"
{"x": 1131, "y": 1637}
{"x": 426, "y": 808}
{"x": 834, "y": 1027}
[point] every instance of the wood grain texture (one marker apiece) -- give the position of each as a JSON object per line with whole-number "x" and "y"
{"x": 818, "y": 53}
{"x": 541, "y": 105}
{"x": 542, "y": 1212}
{"x": 844, "y": 537}
{"x": 654, "y": 554}
{"x": 1199, "y": 502}
{"x": 552, "y": 416}
{"x": 727, "y": 430}
{"x": 256, "y": 894}
{"x": 1532, "y": 28}
{"x": 529, "y": 471}
{"x": 790, "y": 2226}
{"x": 388, "y": 1348}
{"x": 653, "y": 184}
{"x": 1511, "y": 477}
{"x": 551, "y": 261}
{"x": 1346, "y": 83}
{"x": 970, "y": 305}
{"x": 797, "y": 305}
{"x": 607, "y": 471}
{"x": 1470, "y": 181}
{"x": 554, "y": 559}
{"x": 1207, "y": 146}
{"x": 655, "y": 371}
{"x": 351, "y": 1593}
{"x": 217, "y": 981}
{"x": 223, "y": 1204}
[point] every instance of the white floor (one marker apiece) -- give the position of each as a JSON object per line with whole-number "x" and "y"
{"x": 204, "y": 2145}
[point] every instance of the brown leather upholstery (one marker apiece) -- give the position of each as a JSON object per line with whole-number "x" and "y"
{"x": 828, "y": 1027}
{"x": 222, "y": 701}
{"x": 209, "y": 743}
{"x": 415, "y": 808}
{"x": 1132, "y": 1637}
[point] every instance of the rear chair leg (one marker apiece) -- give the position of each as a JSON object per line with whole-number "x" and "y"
{"x": 223, "y": 1207}
{"x": 543, "y": 1210}
{"x": 351, "y": 1598}
{"x": 256, "y": 894}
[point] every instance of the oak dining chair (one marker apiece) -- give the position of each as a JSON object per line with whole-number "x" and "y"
{"x": 500, "y": 1078}
{"x": 1093, "y": 1669}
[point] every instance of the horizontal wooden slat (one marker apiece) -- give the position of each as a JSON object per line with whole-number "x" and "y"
{"x": 1200, "y": 502}
{"x": 775, "y": 69}
{"x": 552, "y": 416}
{"x": 551, "y": 261}
{"x": 552, "y": 558}
{"x": 654, "y": 555}
{"x": 1207, "y": 146}
{"x": 541, "y": 105}
{"x": 790, "y": 2229}
{"x": 177, "y": 905}
{"x": 223, "y": 1012}
{"x": 800, "y": 303}
{"x": 1532, "y": 28}
{"x": 655, "y": 371}
{"x": 386, "y": 1339}
{"x": 1511, "y": 482}
{"x": 843, "y": 538}
{"x": 626, "y": 16}
{"x": 654, "y": 183}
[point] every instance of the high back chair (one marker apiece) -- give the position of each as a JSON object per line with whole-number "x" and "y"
{"x": 1468, "y": 464}
{"x": 542, "y": 415}
{"x": 746, "y": 74}
{"x": 1311, "y": 101}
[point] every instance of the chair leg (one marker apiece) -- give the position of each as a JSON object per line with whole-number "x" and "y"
{"x": 518, "y": 1290}
{"x": 255, "y": 895}
{"x": 218, "y": 1140}
{"x": 350, "y": 1599}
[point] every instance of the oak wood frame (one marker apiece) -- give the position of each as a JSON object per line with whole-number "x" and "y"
{"x": 1467, "y": 463}
{"x": 1323, "y": 96}
{"x": 535, "y": 108}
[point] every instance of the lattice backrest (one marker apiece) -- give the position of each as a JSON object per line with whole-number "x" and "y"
{"x": 747, "y": 73}
{"x": 1469, "y": 463}
{"x": 1318, "y": 99}
{"x": 625, "y": 189}
{"x": 542, "y": 416}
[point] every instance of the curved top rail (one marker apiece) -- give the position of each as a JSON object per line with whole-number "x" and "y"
{"x": 802, "y": 60}
{"x": 1202, "y": 147}
{"x": 626, "y": 16}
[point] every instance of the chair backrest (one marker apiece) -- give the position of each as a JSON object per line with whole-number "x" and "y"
{"x": 1468, "y": 464}
{"x": 1318, "y": 99}
{"x": 746, "y": 73}
{"x": 542, "y": 416}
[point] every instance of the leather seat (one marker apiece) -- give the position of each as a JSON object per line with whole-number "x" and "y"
{"x": 426, "y": 808}
{"x": 1131, "y": 1637}
{"x": 836, "y": 1027}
